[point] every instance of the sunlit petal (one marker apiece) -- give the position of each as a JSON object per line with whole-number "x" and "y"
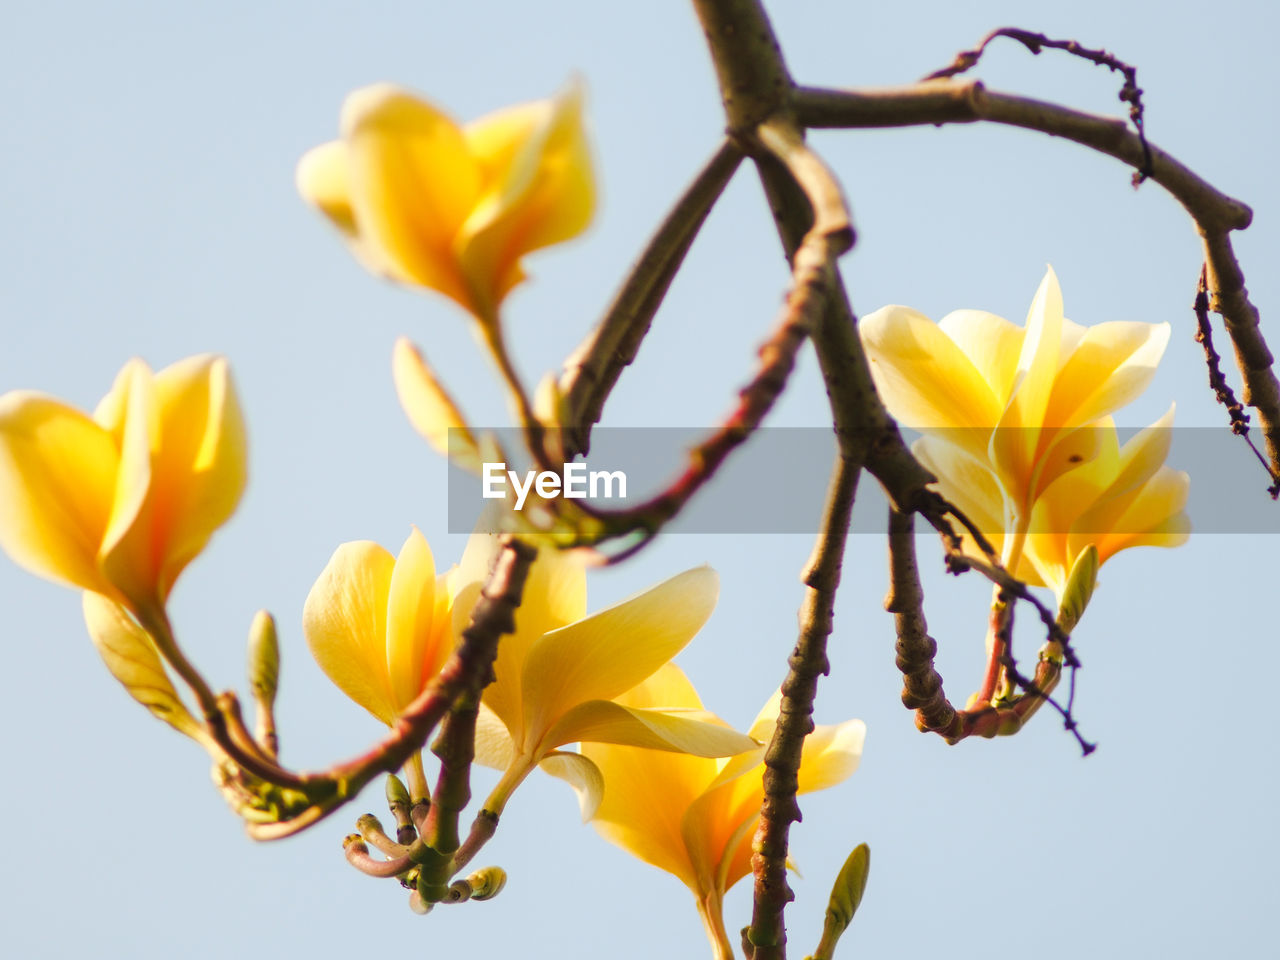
{"x": 430, "y": 408}
{"x": 344, "y": 620}
{"x": 57, "y": 482}
{"x": 695, "y": 732}
{"x": 581, "y": 774}
{"x": 607, "y": 653}
{"x": 416, "y": 644}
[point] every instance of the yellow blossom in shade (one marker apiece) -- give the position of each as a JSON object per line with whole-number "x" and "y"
{"x": 434, "y": 204}
{"x": 559, "y": 676}
{"x": 1014, "y": 398}
{"x": 693, "y": 817}
{"x": 120, "y": 502}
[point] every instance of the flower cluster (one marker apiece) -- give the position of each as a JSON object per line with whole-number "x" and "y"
{"x": 1017, "y": 429}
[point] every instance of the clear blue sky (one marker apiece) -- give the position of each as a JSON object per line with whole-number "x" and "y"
{"x": 148, "y": 209}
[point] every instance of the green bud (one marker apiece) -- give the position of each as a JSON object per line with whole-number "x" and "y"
{"x": 398, "y": 801}
{"x": 846, "y": 894}
{"x": 264, "y": 658}
{"x": 1079, "y": 589}
{"x": 487, "y": 882}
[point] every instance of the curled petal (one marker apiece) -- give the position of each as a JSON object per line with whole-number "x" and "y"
{"x": 417, "y": 642}
{"x": 581, "y": 774}
{"x": 695, "y": 732}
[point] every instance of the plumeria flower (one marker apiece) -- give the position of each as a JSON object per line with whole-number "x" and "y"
{"x": 695, "y": 818}
{"x": 121, "y": 501}
{"x": 453, "y": 208}
{"x": 560, "y": 675}
{"x": 381, "y": 627}
{"x": 1019, "y": 400}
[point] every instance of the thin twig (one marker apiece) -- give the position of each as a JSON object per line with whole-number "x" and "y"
{"x": 1130, "y": 93}
{"x": 1218, "y": 383}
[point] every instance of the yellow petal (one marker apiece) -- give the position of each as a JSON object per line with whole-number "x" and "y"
{"x": 324, "y": 180}
{"x": 493, "y": 743}
{"x": 412, "y": 183}
{"x": 554, "y": 595}
{"x": 344, "y": 620}
{"x": 646, "y": 795}
{"x": 581, "y": 774}
{"x": 1019, "y": 437}
{"x": 1113, "y": 363}
{"x": 57, "y": 481}
{"x": 831, "y": 754}
{"x": 609, "y": 652}
{"x": 925, "y": 380}
{"x": 430, "y": 408}
{"x": 695, "y": 732}
{"x": 132, "y": 659}
{"x": 666, "y": 689}
{"x": 539, "y": 189}
{"x": 417, "y": 643}
{"x": 183, "y": 470}
{"x": 992, "y": 345}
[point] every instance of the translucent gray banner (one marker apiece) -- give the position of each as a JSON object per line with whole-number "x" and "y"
{"x": 776, "y": 480}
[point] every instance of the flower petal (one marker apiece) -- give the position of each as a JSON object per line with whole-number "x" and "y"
{"x": 344, "y": 620}
{"x": 417, "y": 643}
{"x": 57, "y": 481}
{"x": 412, "y": 183}
{"x": 493, "y": 743}
{"x": 132, "y": 659}
{"x": 581, "y": 774}
{"x": 430, "y": 408}
{"x": 695, "y": 732}
{"x": 1113, "y": 363}
{"x": 324, "y": 180}
{"x": 924, "y": 378}
{"x": 540, "y": 188}
{"x": 831, "y": 754}
{"x": 991, "y": 343}
{"x": 609, "y": 652}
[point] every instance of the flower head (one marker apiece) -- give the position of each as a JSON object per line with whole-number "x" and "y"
{"x": 434, "y": 204}
{"x": 562, "y": 674}
{"x": 693, "y": 817}
{"x": 1014, "y": 398}
{"x": 120, "y": 502}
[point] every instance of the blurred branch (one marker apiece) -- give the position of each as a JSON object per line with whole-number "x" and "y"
{"x": 592, "y": 371}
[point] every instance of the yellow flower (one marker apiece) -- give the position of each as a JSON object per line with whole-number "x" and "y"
{"x": 559, "y": 676}
{"x": 1125, "y": 497}
{"x": 119, "y": 503}
{"x": 1016, "y": 399}
{"x": 381, "y": 627}
{"x": 693, "y": 817}
{"x": 433, "y": 204}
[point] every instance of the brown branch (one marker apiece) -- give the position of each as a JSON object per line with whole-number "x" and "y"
{"x": 592, "y": 371}
{"x": 1218, "y": 383}
{"x": 1214, "y": 213}
{"x": 808, "y": 662}
{"x": 922, "y": 684}
{"x": 813, "y": 279}
{"x": 1130, "y": 93}
{"x": 754, "y": 83}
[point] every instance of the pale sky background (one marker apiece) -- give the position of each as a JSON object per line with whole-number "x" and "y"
{"x": 148, "y": 209}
